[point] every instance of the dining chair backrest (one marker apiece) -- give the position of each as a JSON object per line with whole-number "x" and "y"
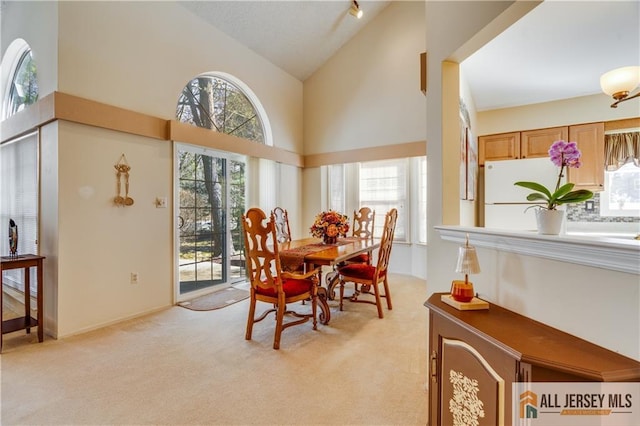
{"x": 269, "y": 283}
{"x": 386, "y": 242}
{"x": 363, "y": 222}
{"x": 283, "y": 231}
{"x": 261, "y": 249}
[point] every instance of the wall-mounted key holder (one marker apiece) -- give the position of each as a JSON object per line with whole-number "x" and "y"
{"x": 122, "y": 169}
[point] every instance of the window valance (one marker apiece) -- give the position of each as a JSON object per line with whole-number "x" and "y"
{"x": 620, "y": 148}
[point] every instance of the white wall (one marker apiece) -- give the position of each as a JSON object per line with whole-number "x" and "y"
{"x": 598, "y": 305}
{"x": 368, "y": 94}
{"x": 99, "y": 245}
{"x": 138, "y": 56}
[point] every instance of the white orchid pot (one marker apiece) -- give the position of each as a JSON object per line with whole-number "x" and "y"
{"x": 549, "y": 221}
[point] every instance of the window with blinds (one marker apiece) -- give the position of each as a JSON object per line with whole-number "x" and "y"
{"x": 19, "y": 200}
{"x": 621, "y": 194}
{"x": 383, "y": 186}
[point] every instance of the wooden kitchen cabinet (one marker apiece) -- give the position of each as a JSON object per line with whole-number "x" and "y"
{"x": 482, "y": 353}
{"x": 503, "y": 146}
{"x": 517, "y": 145}
{"x": 536, "y": 143}
{"x": 590, "y": 140}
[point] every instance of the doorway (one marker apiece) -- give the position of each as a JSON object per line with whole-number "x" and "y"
{"x": 210, "y": 198}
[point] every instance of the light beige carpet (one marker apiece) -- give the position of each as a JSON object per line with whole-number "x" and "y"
{"x": 183, "y": 367}
{"x": 216, "y": 300}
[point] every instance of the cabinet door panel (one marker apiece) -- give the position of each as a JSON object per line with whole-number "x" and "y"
{"x": 590, "y": 140}
{"x": 471, "y": 389}
{"x": 536, "y": 143}
{"x": 505, "y": 146}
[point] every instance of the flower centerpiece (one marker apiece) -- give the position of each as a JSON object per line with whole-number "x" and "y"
{"x": 564, "y": 155}
{"x": 329, "y": 225}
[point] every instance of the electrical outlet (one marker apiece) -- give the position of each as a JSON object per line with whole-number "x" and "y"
{"x": 134, "y": 278}
{"x": 589, "y": 206}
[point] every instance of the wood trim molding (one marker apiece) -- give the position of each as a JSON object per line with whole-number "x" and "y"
{"x": 208, "y": 138}
{"x": 84, "y": 111}
{"x": 63, "y": 106}
{"x": 28, "y": 119}
{"x": 403, "y": 150}
{"x": 629, "y": 123}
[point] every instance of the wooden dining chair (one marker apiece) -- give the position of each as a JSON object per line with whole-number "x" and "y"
{"x": 283, "y": 231}
{"x": 269, "y": 283}
{"x": 369, "y": 276}
{"x": 363, "y": 226}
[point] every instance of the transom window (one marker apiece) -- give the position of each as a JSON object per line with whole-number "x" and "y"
{"x": 23, "y": 87}
{"x": 218, "y": 104}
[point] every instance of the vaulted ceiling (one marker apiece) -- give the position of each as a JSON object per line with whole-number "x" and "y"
{"x": 557, "y": 51}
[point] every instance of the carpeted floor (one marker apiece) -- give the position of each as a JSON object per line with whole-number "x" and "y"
{"x": 184, "y": 367}
{"x": 216, "y": 300}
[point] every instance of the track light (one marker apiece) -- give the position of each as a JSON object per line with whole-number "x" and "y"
{"x": 619, "y": 82}
{"x": 355, "y": 10}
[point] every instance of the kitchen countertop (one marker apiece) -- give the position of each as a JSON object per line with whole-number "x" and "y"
{"x": 605, "y": 229}
{"x": 616, "y": 251}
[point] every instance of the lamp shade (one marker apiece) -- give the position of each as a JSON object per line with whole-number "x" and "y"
{"x": 620, "y": 81}
{"x": 356, "y": 11}
{"x": 467, "y": 260}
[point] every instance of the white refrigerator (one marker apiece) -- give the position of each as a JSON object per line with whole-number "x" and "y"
{"x": 505, "y": 203}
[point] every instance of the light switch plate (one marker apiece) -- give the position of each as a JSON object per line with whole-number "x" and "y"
{"x": 161, "y": 202}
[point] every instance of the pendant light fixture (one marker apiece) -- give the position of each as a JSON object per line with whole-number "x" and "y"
{"x": 355, "y": 9}
{"x": 619, "y": 82}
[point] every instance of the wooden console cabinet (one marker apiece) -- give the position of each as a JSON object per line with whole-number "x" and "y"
{"x": 26, "y": 262}
{"x": 484, "y": 352}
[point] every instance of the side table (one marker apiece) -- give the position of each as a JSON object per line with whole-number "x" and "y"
{"x": 26, "y": 262}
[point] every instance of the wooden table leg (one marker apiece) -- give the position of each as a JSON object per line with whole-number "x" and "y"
{"x": 1, "y": 308}
{"x": 325, "y": 314}
{"x": 332, "y": 281}
{"x": 40, "y": 302}
{"x": 27, "y": 298}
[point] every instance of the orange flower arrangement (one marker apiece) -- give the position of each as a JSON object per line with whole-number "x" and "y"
{"x": 331, "y": 223}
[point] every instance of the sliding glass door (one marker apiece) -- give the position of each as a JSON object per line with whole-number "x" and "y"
{"x": 211, "y": 199}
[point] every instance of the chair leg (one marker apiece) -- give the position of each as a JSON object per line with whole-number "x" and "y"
{"x": 314, "y": 309}
{"x": 387, "y": 295}
{"x": 250, "y": 319}
{"x": 341, "y": 292}
{"x": 376, "y": 290}
{"x": 279, "y": 321}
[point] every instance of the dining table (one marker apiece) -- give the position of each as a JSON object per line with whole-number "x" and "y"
{"x": 309, "y": 253}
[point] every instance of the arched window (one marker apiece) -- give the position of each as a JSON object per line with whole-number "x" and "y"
{"x": 22, "y": 85}
{"x": 221, "y": 103}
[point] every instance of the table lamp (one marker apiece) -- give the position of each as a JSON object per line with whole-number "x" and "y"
{"x": 462, "y": 291}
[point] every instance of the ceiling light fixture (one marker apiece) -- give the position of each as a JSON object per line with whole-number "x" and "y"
{"x": 619, "y": 82}
{"x": 355, "y": 10}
